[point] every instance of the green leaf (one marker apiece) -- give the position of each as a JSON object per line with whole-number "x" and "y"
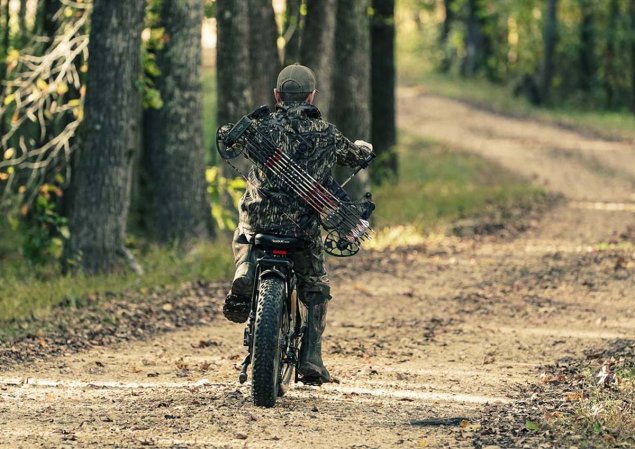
{"x": 530, "y": 425}
{"x": 65, "y": 232}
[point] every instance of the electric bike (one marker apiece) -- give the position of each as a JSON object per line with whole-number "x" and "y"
{"x": 275, "y": 324}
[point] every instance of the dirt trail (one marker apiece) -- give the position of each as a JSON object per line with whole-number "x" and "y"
{"x": 433, "y": 332}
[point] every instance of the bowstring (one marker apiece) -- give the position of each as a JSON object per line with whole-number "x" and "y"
{"x": 309, "y": 188}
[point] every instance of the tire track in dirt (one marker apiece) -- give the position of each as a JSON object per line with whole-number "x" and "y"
{"x": 414, "y": 334}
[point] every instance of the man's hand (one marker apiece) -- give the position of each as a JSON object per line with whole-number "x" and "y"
{"x": 366, "y": 148}
{"x": 365, "y": 145}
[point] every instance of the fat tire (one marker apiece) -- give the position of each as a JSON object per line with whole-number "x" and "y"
{"x": 265, "y": 370}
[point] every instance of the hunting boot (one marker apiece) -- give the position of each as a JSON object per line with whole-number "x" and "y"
{"x": 238, "y": 301}
{"x": 311, "y": 368}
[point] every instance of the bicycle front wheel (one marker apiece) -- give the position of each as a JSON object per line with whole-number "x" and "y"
{"x": 268, "y": 337}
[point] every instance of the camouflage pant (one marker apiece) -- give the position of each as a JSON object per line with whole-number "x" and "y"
{"x": 308, "y": 263}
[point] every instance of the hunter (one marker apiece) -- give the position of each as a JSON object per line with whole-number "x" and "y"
{"x": 268, "y": 206}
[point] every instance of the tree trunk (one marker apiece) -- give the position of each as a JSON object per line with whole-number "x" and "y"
{"x": 6, "y": 41}
{"x": 5, "y": 15}
{"x": 384, "y": 133}
{"x": 445, "y": 34}
{"x": 263, "y": 51}
{"x": 318, "y": 52}
{"x": 351, "y": 92}
{"x": 232, "y": 60}
{"x": 24, "y": 32}
{"x": 610, "y": 54}
{"x": 45, "y": 25}
{"x": 294, "y": 23}
{"x": 101, "y": 179}
{"x": 631, "y": 9}
{"x": 6, "y": 38}
{"x": 587, "y": 46}
{"x": 233, "y": 74}
{"x": 472, "y": 40}
{"x": 174, "y": 156}
{"x": 550, "y": 40}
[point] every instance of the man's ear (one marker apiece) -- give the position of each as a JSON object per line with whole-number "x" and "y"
{"x": 311, "y": 97}
{"x": 277, "y": 96}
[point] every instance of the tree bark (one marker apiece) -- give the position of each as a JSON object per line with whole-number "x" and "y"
{"x": 478, "y": 42}
{"x": 174, "y": 156}
{"x": 24, "y": 32}
{"x": 351, "y": 87}
{"x": 263, "y": 51}
{"x": 472, "y": 40}
{"x": 550, "y": 40}
{"x": 384, "y": 133}
{"x": 294, "y": 23}
{"x": 6, "y": 40}
{"x": 232, "y": 60}
{"x": 631, "y": 9}
{"x": 100, "y": 189}
{"x": 318, "y": 52}
{"x": 233, "y": 74}
{"x": 6, "y": 37}
{"x": 45, "y": 25}
{"x": 610, "y": 54}
{"x": 587, "y": 46}
{"x": 446, "y": 27}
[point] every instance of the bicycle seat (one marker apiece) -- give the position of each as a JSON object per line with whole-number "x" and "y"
{"x": 277, "y": 242}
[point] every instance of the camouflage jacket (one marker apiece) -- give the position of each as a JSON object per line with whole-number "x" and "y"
{"x": 268, "y": 205}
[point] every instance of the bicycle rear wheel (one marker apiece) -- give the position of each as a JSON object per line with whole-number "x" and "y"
{"x": 268, "y": 341}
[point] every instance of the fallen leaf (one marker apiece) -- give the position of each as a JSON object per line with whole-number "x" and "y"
{"x": 167, "y": 307}
{"x": 467, "y": 425}
{"x": 573, "y": 396}
{"x": 204, "y": 366}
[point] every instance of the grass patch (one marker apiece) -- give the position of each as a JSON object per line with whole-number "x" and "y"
{"x": 438, "y": 186}
{"x": 33, "y": 291}
{"x": 500, "y": 99}
{"x": 606, "y": 417}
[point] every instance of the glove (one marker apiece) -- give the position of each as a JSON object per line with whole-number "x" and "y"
{"x": 368, "y": 148}
{"x": 365, "y": 145}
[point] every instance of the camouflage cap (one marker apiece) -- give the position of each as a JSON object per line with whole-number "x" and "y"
{"x": 296, "y": 78}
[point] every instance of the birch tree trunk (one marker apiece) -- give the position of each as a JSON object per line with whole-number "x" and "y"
{"x": 174, "y": 154}
{"x": 100, "y": 189}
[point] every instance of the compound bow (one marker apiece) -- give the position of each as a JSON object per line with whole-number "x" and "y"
{"x": 345, "y": 222}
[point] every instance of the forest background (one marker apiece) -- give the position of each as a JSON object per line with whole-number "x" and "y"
{"x": 109, "y": 179}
